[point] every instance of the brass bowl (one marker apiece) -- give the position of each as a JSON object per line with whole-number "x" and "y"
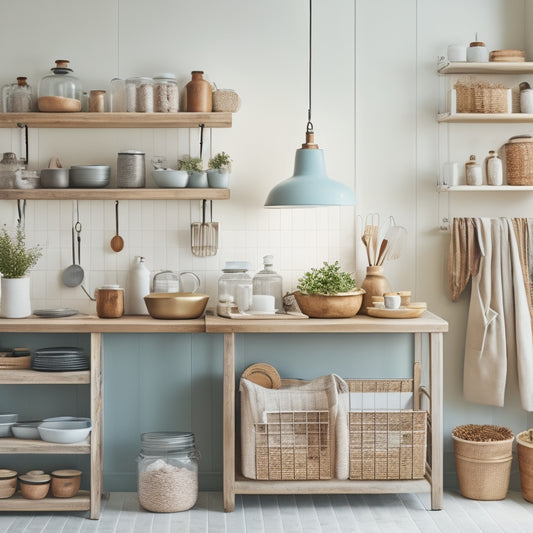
{"x": 176, "y": 305}
{"x": 343, "y": 305}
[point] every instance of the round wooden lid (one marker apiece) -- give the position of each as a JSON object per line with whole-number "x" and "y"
{"x": 66, "y": 473}
{"x": 263, "y": 374}
{"x": 7, "y": 474}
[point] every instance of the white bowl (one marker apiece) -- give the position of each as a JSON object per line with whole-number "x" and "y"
{"x": 66, "y": 431}
{"x": 8, "y": 417}
{"x": 5, "y": 429}
{"x": 26, "y": 430}
{"x": 168, "y": 178}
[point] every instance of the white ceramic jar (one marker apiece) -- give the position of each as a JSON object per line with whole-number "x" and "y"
{"x": 493, "y": 169}
{"x": 474, "y": 175}
{"x": 526, "y": 98}
{"x": 477, "y": 52}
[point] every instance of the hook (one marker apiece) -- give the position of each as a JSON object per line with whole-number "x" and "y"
{"x": 445, "y": 224}
{"x": 25, "y": 126}
{"x": 202, "y": 126}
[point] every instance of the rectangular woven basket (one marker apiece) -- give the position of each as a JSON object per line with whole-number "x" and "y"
{"x": 386, "y": 443}
{"x": 293, "y": 445}
{"x": 476, "y": 99}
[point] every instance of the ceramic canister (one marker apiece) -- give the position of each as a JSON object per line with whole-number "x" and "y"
{"x": 109, "y": 301}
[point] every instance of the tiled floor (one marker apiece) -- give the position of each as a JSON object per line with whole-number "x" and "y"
{"x": 403, "y": 513}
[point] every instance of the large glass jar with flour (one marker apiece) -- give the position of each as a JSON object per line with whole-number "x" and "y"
{"x": 167, "y": 472}
{"x": 61, "y": 90}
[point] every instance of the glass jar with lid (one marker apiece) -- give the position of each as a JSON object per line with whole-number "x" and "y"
{"x": 235, "y": 285}
{"x": 17, "y": 97}
{"x": 60, "y": 91}
{"x": 140, "y": 95}
{"x": 167, "y": 468}
{"x": 268, "y": 281}
{"x": 166, "y": 96}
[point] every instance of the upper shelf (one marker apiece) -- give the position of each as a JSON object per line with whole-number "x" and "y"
{"x": 481, "y": 188}
{"x": 492, "y": 67}
{"x": 501, "y": 118}
{"x": 116, "y": 120}
{"x": 114, "y": 194}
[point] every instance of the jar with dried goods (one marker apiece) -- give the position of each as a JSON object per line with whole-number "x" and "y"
{"x": 199, "y": 93}
{"x": 17, "y": 97}
{"x": 474, "y": 175}
{"x": 60, "y": 91}
{"x": 166, "y": 96}
{"x": 167, "y": 472}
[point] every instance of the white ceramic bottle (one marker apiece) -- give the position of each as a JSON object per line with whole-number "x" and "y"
{"x": 493, "y": 169}
{"x": 137, "y": 287}
{"x": 474, "y": 175}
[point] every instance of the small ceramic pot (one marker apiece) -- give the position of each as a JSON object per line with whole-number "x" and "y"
{"x": 218, "y": 179}
{"x": 197, "y": 180}
{"x": 34, "y": 487}
{"x": 65, "y": 483}
{"x": 8, "y": 483}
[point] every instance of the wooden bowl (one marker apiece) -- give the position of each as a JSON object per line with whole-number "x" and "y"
{"x": 65, "y": 483}
{"x": 34, "y": 487}
{"x": 343, "y": 305}
{"x": 176, "y": 305}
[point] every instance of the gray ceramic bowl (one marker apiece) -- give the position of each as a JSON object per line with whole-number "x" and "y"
{"x": 218, "y": 179}
{"x": 168, "y": 178}
{"x": 5, "y": 429}
{"x": 54, "y": 178}
{"x": 26, "y": 430}
{"x": 90, "y": 176}
{"x": 66, "y": 431}
{"x": 8, "y": 417}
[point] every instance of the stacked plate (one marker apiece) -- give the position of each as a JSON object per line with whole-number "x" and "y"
{"x": 89, "y": 176}
{"x": 62, "y": 359}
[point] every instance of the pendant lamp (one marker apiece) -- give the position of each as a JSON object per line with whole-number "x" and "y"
{"x": 310, "y": 186}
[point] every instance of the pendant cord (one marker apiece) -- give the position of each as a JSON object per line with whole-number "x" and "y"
{"x": 309, "y": 123}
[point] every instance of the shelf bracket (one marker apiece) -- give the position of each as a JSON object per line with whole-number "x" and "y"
{"x": 25, "y": 126}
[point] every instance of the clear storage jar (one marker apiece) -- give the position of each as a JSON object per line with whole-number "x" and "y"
{"x": 17, "y": 97}
{"x": 235, "y": 285}
{"x": 167, "y": 472}
{"x": 166, "y": 96}
{"x": 140, "y": 95}
{"x": 60, "y": 91}
{"x": 268, "y": 281}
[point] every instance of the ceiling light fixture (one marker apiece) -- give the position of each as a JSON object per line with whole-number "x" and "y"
{"x": 310, "y": 186}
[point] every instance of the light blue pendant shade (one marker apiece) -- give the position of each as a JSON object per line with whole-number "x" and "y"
{"x": 310, "y": 185}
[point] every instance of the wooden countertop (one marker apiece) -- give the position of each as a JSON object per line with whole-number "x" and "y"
{"x": 427, "y": 323}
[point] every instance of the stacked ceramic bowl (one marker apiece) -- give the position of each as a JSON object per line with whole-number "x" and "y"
{"x": 89, "y": 176}
{"x": 6, "y": 422}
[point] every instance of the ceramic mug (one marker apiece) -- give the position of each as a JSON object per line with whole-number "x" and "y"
{"x": 263, "y": 303}
{"x": 392, "y": 301}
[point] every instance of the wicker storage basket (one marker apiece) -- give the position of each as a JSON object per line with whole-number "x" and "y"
{"x": 386, "y": 442}
{"x": 483, "y": 468}
{"x": 525, "y": 463}
{"x": 15, "y": 363}
{"x": 519, "y": 160}
{"x": 293, "y": 445}
{"x": 479, "y": 99}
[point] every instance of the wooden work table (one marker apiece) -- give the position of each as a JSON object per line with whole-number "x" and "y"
{"x": 428, "y": 324}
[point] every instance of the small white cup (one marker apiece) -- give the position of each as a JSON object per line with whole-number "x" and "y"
{"x": 244, "y": 297}
{"x": 392, "y": 301}
{"x": 263, "y": 303}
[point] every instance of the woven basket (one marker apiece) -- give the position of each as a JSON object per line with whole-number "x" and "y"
{"x": 519, "y": 161}
{"x": 386, "y": 443}
{"x": 478, "y": 99}
{"x": 293, "y": 445}
{"x": 483, "y": 468}
{"x": 15, "y": 363}
{"x": 525, "y": 464}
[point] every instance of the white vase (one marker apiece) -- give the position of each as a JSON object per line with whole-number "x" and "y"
{"x": 15, "y": 298}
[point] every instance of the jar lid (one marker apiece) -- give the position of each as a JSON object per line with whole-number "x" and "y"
{"x": 66, "y": 473}
{"x": 165, "y": 76}
{"x": 131, "y": 152}
{"x": 236, "y": 266}
{"x": 7, "y": 474}
{"x": 477, "y": 43}
{"x": 168, "y": 441}
{"x": 34, "y": 479}
{"x": 111, "y": 286}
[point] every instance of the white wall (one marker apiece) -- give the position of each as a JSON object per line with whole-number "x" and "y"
{"x": 258, "y": 49}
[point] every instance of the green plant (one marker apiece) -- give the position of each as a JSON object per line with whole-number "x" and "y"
{"x": 15, "y": 258}
{"x": 328, "y": 280}
{"x": 190, "y": 164}
{"x": 220, "y": 161}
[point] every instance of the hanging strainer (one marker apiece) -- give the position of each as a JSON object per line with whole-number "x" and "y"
{"x": 204, "y": 235}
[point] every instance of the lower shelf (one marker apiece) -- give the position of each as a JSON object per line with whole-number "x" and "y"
{"x": 80, "y": 502}
{"x": 330, "y": 486}
{"x": 11, "y": 445}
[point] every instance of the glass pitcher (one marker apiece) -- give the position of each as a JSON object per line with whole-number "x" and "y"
{"x": 170, "y": 281}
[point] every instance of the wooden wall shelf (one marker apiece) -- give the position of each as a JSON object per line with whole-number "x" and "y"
{"x": 492, "y": 67}
{"x": 116, "y": 120}
{"x": 479, "y": 118}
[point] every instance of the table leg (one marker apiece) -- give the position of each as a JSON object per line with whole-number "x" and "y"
{"x": 436, "y": 404}
{"x": 229, "y": 423}
{"x": 96, "y": 432}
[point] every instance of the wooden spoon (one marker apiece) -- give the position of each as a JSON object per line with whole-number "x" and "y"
{"x": 117, "y": 242}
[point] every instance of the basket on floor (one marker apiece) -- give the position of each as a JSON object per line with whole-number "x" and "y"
{"x": 483, "y": 455}
{"x": 525, "y": 463}
{"x": 386, "y": 440}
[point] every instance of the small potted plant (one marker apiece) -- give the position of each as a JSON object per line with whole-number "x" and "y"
{"x": 197, "y": 176}
{"x": 15, "y": 261}
{"x": 219, "y": 169}
{"x": 328, "y": 292}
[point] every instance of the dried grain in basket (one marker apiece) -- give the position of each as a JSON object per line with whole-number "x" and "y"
{"x": 519, "y": 160}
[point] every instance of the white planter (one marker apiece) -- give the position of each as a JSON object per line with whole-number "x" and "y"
{"x": 15, "y": 297}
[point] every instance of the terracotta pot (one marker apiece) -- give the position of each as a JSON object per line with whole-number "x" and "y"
{"x": 199, "y": 93}
{"x": 375, "y": 284}
{"x": 344, "y": 305}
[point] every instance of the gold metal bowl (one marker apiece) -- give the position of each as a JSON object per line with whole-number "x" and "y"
{"x": 176, "y": 305}
{"x": 343, "y": 305}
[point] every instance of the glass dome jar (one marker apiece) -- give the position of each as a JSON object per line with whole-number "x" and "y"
{"x": 235, "y": 285}
{"x": 268, "y": 281}
{"x": 17, "y": 97}
{"x": 167, "y": 472}
{"x": 60, "y": 91}
{"x": 166, "y": 96}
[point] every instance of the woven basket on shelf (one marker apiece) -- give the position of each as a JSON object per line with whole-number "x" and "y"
{"x": 519, "y": 161}
{"x": 478, "y": 99}
{"x": 525, "y": 463}
{"x": 386, "y": 442}
{"x": 483, "y": 467}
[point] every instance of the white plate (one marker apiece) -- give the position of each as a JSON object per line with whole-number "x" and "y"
{"x": 55, "y": 313}
{"x": 260, "y": 312}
